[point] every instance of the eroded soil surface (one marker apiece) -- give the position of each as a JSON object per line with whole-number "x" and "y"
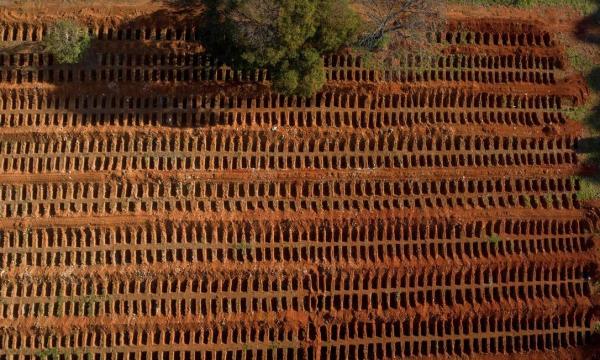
{"x": 154, "y": 205}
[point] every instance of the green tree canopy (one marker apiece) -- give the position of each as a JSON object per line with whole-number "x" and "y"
{"x": 67, "y": 41}
{"x": 287, "y": 37}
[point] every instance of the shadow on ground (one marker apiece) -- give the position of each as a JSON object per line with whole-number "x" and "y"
{"x": 111, "y": 68}
{"x": 588, "y": 31}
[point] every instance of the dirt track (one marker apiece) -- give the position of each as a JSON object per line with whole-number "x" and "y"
{"x": 155, "y": 205}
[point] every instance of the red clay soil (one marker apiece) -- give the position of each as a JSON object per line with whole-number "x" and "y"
{"x": 154, "y": 204}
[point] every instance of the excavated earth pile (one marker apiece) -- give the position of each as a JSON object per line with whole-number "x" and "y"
{"x": 154, "y": 205}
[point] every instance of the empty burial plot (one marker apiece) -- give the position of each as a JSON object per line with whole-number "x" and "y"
{"x": 268, "y": 150}
{"x": 144, "y": 215}
{"x": 256, "y": 241}
{"x": 77, "y": 198}
{"x": 53, "y": 111}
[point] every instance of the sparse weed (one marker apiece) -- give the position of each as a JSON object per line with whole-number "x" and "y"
{"x": 26, "y": 233}
{"x": 58, "y": 305}
{"x": 549, "y": 199}
{"x": 534, "y": 201}
{"x": 494, "y": 239}
{"x": 596, "y": 328}
{"x": 49, "y": 353}
{"x": 188, "y": 188}
{"x": 243, "y": 246}
{"x": 88, "y": 304}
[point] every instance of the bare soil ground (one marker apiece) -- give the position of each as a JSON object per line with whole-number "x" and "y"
{"x": 156, "y": 205}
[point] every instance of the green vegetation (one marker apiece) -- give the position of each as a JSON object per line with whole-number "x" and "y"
{"x": 49, "y": 353}
{"x": 584, "y": 6}
{"x": 494, "y": 239}
{"x": 589, "y": 148}
{"x": 549, "y": 199}
{"x": 26, "y": 233}
{"x": 286, "y": 37}
{"x": 584, "y": 64}
{"x": 588, "y": 188}
{"x": 526, "y": 201}
{"x": 596, "y": 327}
{"x": 579, "y": 61}
{"x": 88, "y": 303}
{"x": 243, "y": 246}
{"x": 582, "y": 57}
{"x": 58, "y": 311}
{"x": 67, "y": 41}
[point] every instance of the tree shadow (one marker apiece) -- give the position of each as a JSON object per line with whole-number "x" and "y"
{"x": 153, "y": 61}
{"x": 588, "y": 31}
{"x": 588, "y": 145}
{"x": 592, "y": 120}
{"x": 182, "y": 4}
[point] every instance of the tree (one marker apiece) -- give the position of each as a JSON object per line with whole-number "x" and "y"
{"x": 396, "y": 21}
{"x": 287, "y": 37}
{"x": 67, "y": 41}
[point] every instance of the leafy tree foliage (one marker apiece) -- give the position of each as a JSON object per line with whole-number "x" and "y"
{"x": 67, "y": 41}
{"x": 288, "y": 37}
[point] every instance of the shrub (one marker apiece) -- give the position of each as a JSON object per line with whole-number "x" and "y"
{"x": 67, "y": 42}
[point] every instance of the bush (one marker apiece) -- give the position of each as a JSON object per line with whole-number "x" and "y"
{"x": 287, "y": 37}
{"x": 304, "y": 77}
{"x": 67, "y": 42}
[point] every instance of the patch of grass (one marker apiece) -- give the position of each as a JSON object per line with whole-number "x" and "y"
{"x": 549, "y": 198}
{"x": 585, "y": 7}
{"x": 579, "y": 113}
{"x": 589, "y": 188}
{"x": 49, "y": 353}
{"x": 526, "y": 201}
{"x": 494, "y": 239}
{"x": 584, "y": 64}
{"x": 579, "y": 61}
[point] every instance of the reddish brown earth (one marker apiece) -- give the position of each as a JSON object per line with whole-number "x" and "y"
{"x": 156, "y": 206}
